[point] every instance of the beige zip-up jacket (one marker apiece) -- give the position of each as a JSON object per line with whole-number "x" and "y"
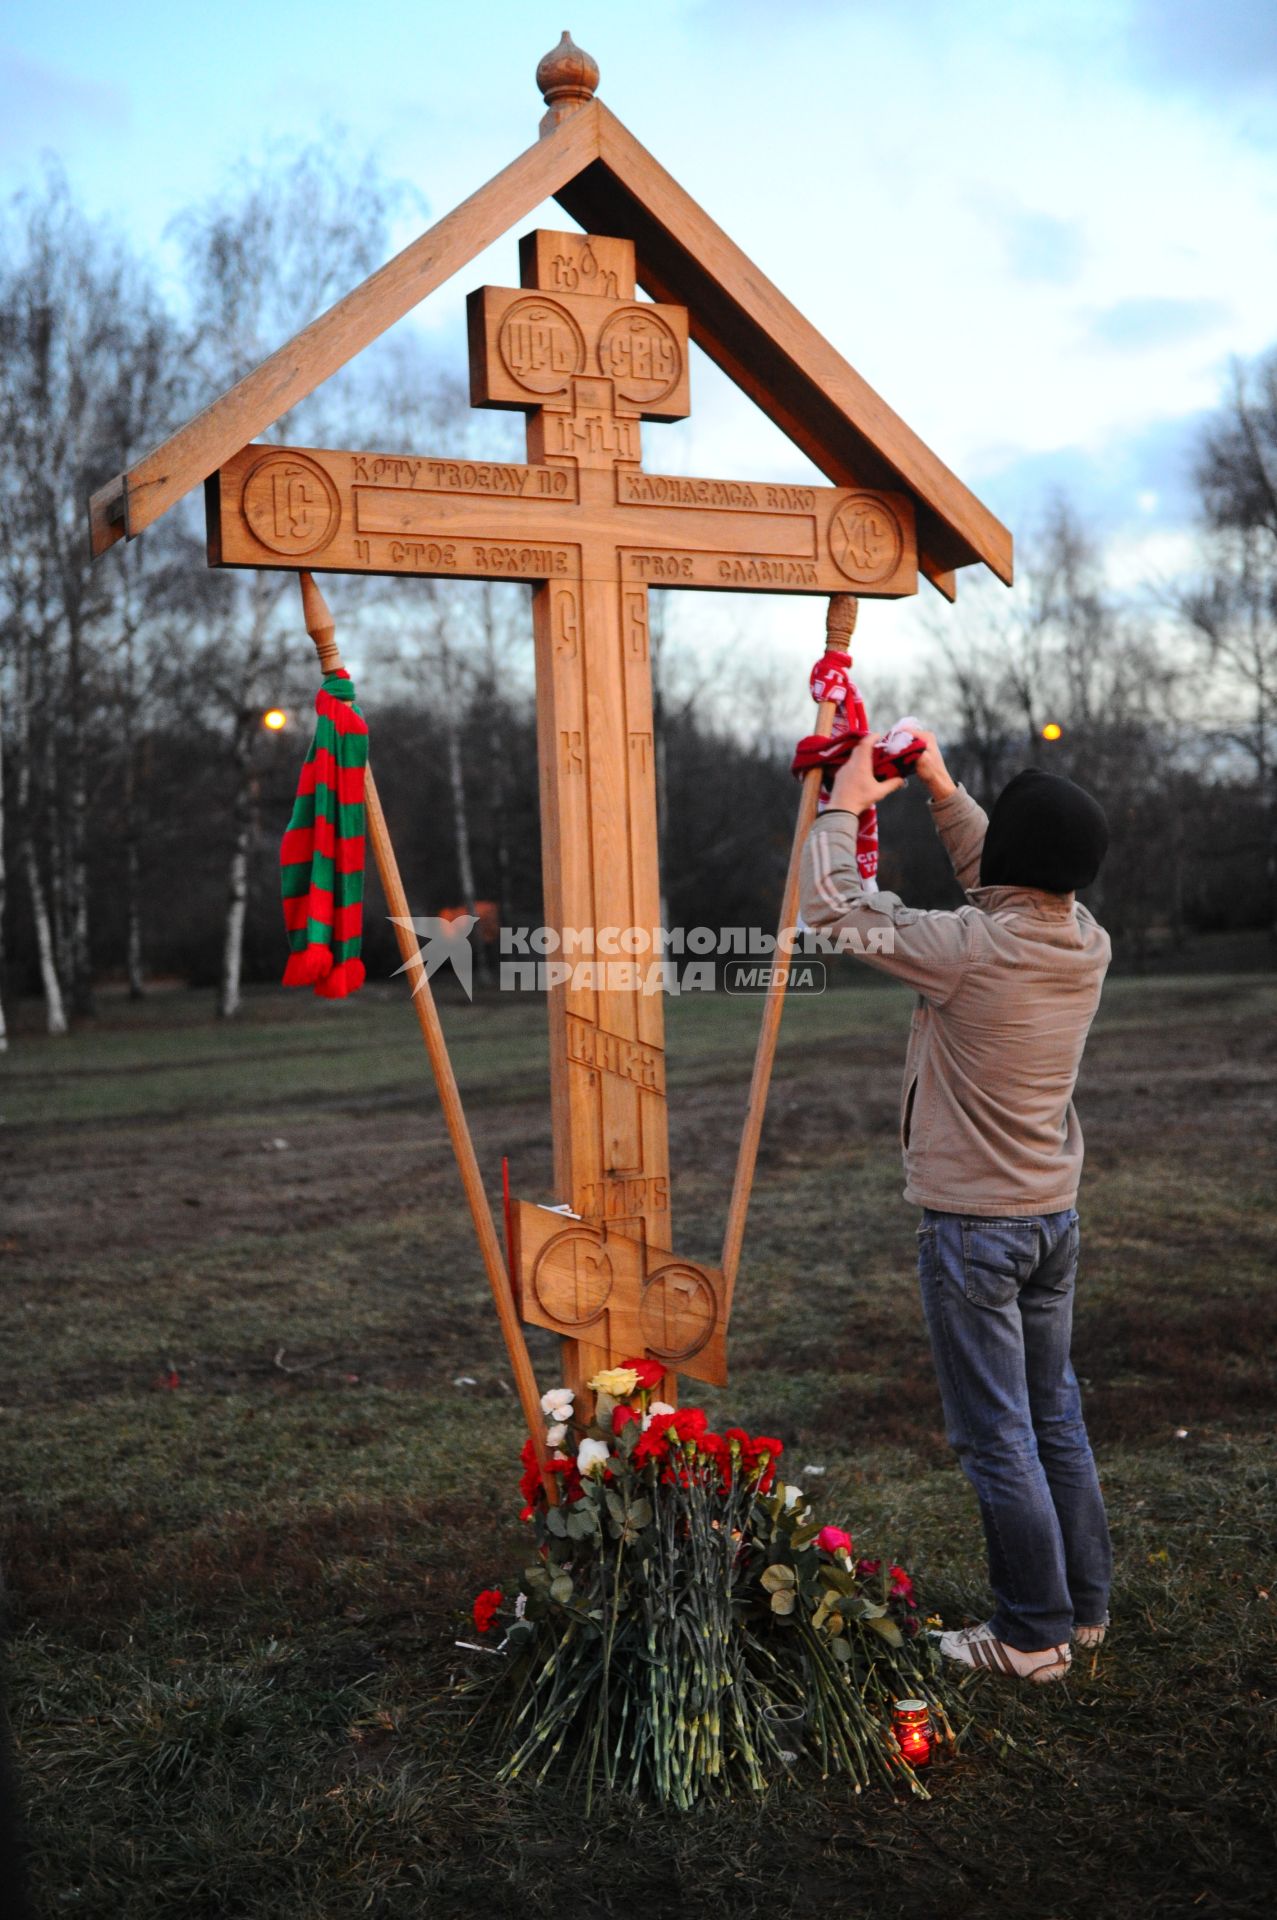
{"x": 1008, "y": 986}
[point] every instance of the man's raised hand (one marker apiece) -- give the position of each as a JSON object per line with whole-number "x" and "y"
{"x": 931, "y": 769}
{"x": 855, "y": 788}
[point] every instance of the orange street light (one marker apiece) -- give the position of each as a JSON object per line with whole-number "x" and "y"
{"x": 274, "y": 719}
{"x": 1051, "y": 731}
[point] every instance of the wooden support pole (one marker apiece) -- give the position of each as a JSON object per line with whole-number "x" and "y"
{"x": 322, "y": 630}
{"x": 840, "y": 623}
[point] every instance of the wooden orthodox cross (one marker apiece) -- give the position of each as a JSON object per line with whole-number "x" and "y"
{"x": 587, "y": 362}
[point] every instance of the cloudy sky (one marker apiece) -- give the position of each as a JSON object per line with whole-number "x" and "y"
{"x": 1041, "y": 230}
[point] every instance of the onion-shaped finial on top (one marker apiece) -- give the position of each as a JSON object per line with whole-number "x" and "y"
{"x": 567, "y": 78}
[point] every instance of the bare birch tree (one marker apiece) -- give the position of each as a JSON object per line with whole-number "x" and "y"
{"x": 71, "y": 304}
{"x": 1064, "y": 653}
{"x": 1232, "y": 607}
{"x": 262, "y": 259}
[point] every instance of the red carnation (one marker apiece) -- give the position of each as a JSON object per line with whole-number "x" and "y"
{"x": 650, "y": 1373}
{"x": 485, "y": 1606}
{"x": 570, "y": 1475}
{"x": 530, "y": 1479}
{"x": 623, "y": 1415}
{"x": 658, "y": 1429}
{"x": 902, "y": 1586}
{"x": 763, "y": 1453}
{"x": 651, "y": 1445}
{"x": 531, "y": 1484}
{"x": 689, "y": 1423}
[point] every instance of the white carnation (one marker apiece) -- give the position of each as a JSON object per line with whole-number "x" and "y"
{"x": 557, "y": 1435}
{"x": 591, "y": 1454}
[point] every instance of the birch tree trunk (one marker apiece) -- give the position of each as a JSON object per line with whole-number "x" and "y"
{"x": 132, "y": 849}
{"x": 133, "y": 915}
{"x": 55, "y": 846}
{"x": 262, "y": 593}
{"x": 55, "y": 1012}
{"x": 28, "y": 859}
{"x": 77, "y": 871}
{"x": 460, "y": 809}
{"x": 461, "y": 828}
{"x": 498, "y": 772}
{"x": 460, "y": 818}
{"x": 230, "y": 997}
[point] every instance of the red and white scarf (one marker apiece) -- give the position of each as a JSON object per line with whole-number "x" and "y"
{"x": 896, "y": 752}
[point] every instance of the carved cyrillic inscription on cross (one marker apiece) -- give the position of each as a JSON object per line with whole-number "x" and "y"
{"x": 575, "y": 350}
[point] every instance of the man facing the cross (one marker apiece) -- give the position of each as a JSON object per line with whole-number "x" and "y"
{"x": 1007, "y": 988}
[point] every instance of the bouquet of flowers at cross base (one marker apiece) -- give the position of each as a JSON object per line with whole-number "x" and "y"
{"x": 687, "y": 1625}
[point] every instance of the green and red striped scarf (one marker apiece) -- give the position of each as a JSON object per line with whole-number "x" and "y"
{"x": 322, "y": 855}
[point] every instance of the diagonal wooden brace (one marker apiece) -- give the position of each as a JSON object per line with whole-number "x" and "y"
{"x": 322, "y": 630}
{"x": 840, "y": 624}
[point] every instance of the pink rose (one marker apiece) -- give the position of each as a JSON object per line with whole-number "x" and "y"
{"x": 833, "y": 1540}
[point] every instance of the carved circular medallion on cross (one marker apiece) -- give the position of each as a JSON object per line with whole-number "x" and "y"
{"x": 866, "y": 539}
{"x": 679, "y": 1311}
{"x": 573, "y": 1277}
{"x": 541, "y": 346}
{"x": 291, "y": 504}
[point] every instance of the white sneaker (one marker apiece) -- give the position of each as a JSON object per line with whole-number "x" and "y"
{"x": 980, "y": 1647}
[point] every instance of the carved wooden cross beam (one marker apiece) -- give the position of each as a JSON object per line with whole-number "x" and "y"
{"x": 584, "y": 1280}
{"x": 587, "y": 362}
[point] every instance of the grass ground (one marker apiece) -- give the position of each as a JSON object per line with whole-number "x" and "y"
{"x": 233, "y": 1599}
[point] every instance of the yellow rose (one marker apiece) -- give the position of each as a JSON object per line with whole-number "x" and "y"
{"x": 618, "y": 1381}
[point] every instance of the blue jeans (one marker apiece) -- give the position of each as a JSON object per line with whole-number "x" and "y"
{"x": 998, "y": 1300}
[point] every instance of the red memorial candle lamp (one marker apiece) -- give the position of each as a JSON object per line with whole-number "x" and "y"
{"x": 911, "y": 1722}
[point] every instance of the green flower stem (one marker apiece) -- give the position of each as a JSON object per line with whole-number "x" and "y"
{"x": 613, "y": 1613}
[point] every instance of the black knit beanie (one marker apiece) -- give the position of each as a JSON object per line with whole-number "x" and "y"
{"x": 1043, "y": 832}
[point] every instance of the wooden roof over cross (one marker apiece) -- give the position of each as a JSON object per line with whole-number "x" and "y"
{"x": 600, "y": 174}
